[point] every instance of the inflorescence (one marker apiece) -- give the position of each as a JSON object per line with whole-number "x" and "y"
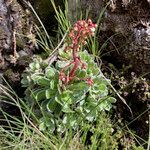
{"x": 78, "y": 36}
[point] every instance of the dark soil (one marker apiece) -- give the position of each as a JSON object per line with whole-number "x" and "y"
{"x": 131, "y": 91}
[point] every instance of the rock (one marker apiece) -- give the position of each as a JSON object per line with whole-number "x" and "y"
{"x": 45, "y": 11}
{"x": 5, "y": 30}
{"x": 15, "y": 26}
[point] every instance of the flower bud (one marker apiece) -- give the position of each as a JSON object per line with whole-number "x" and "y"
{"x": 89, "y": 21}
{"x": 92, "y": 29}
{"x": 89, "y": 81}
{"x": 83, "y": 66}
{"x": 75, "y": 28}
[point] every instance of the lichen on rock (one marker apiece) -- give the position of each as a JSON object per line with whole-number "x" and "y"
{"x": 15, "y": 27}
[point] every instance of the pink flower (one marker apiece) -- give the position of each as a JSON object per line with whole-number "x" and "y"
{"x": 89, "y": 81}
{"x": 62, "y": 76}
{"x": 83, "y": 66}
{"x": 78, "y": 35}
{"x": 71, "y": 34}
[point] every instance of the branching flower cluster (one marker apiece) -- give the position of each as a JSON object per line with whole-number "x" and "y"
{"x": 78, "y": 35}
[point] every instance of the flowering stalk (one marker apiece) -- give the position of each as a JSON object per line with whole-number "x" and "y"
{"x": 79, "y": 34}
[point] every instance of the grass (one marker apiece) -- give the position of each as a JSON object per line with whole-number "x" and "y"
{"x": 22, "y": 133}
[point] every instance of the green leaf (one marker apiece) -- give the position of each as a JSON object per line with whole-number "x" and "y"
{"x": 102, "y": 87}
{"x": 36, "y": 76}
{"x": 39, "y": 94}
{"x": 58, "y": 100}
{"x": 43, "y": 81}
{"x": 49, "y": 72}
{"x": 91, "y": 116}
{"x": 49, "y": 93}
{"x": 62, "y": 64}
{"x": 72, "y": 120}
{"x": 111, "y": 100}
{"x": 50, "y": 124}
{"x": 51, "y": 105}
{"x": 85, "y": 56}
{"x": 64, "y": 121}
{"x": 78, "y": 96}
{"x": 52, "y": 84}
{"x": 34, "y": 66}
{"x": 66, "y": 109}
{"x": 95, "y": 70}
{"x": 65, "y": 97}
{"x": 105, "y": 105}
{"x": 42, "y": 126}
{"x": 91, "y": 65}
{"x": 100, "y": 80}
{"x": 25, "y": 82}
{"x": 81, "y": 74}
{"x": 65, "y": 55}
{"x": 81, "y": 86}
{"x": 99, "y": 90}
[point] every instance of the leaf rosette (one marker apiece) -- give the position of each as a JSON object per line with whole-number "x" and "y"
{"x": 63, "y": 106}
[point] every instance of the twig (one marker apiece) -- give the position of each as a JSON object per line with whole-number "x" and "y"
{"x": 15, "y": 55}
{"x": 14, "y": 42}
{"x": 148, "y": 147}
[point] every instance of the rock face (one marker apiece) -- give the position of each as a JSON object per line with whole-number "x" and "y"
{"x": 5, "y": 30}
{"x": 15, "y": 27}
{"x": 17, "y": 38}
{"x": 128, "y": 22}
{"x": 46, "y": 12}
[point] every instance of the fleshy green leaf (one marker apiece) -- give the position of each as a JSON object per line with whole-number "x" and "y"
{"x": 34, "y": 66}
{"x": 50, "y": 124}
{"x": 91, "y": 116}
{"x": 85, "y": 56}
{"x": 78, "y": 86}
{"x": 25, "y": 82}
{"x": 43, "y": 81}
{"x": 52, "y": 84}
{"x": 62, "y": 64}
{"x": 66, "y": 109}
{"x": 51, "y": 105}
{"x": 49, "y": 93}
{"x": 36, "y": 76}
{"x": 39, "y": 94}
{"x": 105, "y": 105}
{"x": 42, "y": 126}
{"x": 65, "y": 97}
{"x": 111, "y": 99}
{"x": 82, "y": 74}
{"x": 102, "y": 87}
{"x": 49, "y": 72}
